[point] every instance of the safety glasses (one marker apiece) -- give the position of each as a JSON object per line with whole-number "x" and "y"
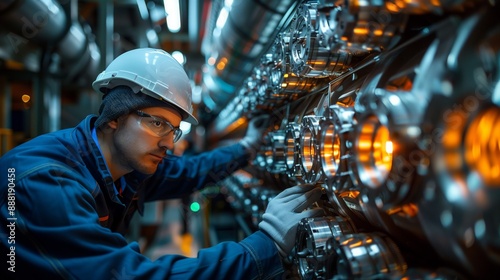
{"x": 158, "y": 126}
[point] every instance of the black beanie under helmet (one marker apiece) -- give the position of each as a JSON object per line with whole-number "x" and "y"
{"x": 121, "y": 100}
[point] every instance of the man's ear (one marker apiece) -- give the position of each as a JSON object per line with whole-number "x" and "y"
{"x": 113, "y": 124}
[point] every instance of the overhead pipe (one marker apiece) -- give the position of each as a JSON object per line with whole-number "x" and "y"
{"x": 233, "y": 49}
{"x": 34, "y": 21}
{"x": 80, "y": 56}
{"x": 34, "y": 24}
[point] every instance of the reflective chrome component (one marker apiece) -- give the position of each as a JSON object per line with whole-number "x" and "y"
{"x": 245, "y": 194}
{"x": 292, "y": 150}
{"x": 264, "y": 155}
{"x": 364, "y": 255}
{"x": 249, "y": 30}
{"x": 347, "y": 205}
{"x": 461, "y": 190}
{"x": 384, "y": 141}
{"x": 374, "y": 151}
{"x": 482, "y": 145}
{"x": 267, "y": 151}
{"x": 327, "y": 24}
{"x": 41, "y": 22}
{"x": 268, "y": 97}
{"x": 459, "y": 210}
{"x": 283, "y": 82}
{"x": 28, "y": 27}
{"x": 279, "y": 52}
{"x": 294, "y": 86}
{"x": 309, "y": 149}
{"x": 307, "y": 57}
{"x": 404, "y": 138}
{"x": 335, "y": 144}
{"x": 312, "y": 237}
{"x": 277, "y": 163}
{"x": 389, "y": 116}
{"x": 361, "y": 26}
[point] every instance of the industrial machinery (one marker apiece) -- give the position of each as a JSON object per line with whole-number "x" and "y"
{"x": 393, "y": 107}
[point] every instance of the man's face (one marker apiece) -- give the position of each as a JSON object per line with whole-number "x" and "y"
{"x": 137, "y": 147}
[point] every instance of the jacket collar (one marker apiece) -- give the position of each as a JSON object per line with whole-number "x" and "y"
{"x": 92, "y": 157}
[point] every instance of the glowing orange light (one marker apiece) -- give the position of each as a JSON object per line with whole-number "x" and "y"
{"x": 308, "y": 152}
{"x": 350, "y": 194}
{"x": 383, "y": 149}
{"x": 330, "y": 151}
{"x": 221, "y": 65}
{"x": 25, "y": 98}
{"x": 290, "y": 152}
{"x": 391, "y": 7}
{"x": 360, "y": 31}
{"x": 389, "y": 147}
{"x": 452, "y": 140}
{"x": 356, "y": 244}
{"x": 409, "y": 210}
{"x": 436, "y": 3}
{"x": 482, "y": 145}
{"x": 375, "y": 152}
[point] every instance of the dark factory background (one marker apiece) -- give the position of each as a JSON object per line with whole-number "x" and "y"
{"x": 392, "y": 106}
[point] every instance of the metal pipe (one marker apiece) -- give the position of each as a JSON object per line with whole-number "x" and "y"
{"x": 249, "y": 31}
{"x": 34, "y": 21}
{"x": 32, "y": 24}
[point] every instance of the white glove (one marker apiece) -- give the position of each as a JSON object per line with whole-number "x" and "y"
{"x": 253, "y": 137}
{"x": 284, "y": 213}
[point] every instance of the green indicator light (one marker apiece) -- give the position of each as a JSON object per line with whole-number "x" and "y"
{"x": 195, "y": 206}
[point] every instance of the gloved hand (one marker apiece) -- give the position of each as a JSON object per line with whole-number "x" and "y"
{"x": 255, "y": 130}
{"x": 284, "y": 213}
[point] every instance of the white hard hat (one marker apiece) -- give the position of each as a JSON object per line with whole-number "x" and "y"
{"x": 153, "y": 72}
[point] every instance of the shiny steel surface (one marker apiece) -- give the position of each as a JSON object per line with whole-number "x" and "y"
{"x": 393, "y": 109}
{"x": 292, "y": 148}
{"x": 335, "y": 144}
{"x": 307, "y": 57}
{"x": 278, "y": 151}
{"x": 311, "y": 249}
{"x": 364, "y": 255}
{"x": 309, "y": 149}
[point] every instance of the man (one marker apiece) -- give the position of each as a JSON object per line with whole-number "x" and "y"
{"x": 67, "y": 197}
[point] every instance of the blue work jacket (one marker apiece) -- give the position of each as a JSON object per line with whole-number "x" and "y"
{"x": 63, "y": 219}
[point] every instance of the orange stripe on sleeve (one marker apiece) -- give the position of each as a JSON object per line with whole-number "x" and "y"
{"x": 102, "y": 219}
